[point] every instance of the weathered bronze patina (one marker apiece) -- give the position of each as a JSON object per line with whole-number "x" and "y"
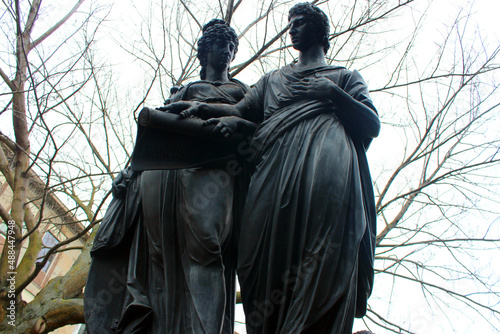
{"x": 164, "y": 257}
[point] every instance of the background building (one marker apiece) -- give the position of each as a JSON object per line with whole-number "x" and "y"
{"x": 58, "y": 224}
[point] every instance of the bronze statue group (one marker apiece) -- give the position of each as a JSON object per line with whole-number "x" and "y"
{"x": 295, "y": 221}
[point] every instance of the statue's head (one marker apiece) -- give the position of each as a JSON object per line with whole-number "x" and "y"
{"x": 213, "y": 32}
{"x": 316, "y": 18}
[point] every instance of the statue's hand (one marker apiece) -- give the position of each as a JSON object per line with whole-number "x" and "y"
{"x": 318, "y": 87}
{"x": 183, "y": 108}
{"x": 224, "y": 127}
{"x": 120, "y": 183}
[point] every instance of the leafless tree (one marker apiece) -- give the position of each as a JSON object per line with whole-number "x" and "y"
{"x": 50, "y": 158}
{"x": 438, "y": 201}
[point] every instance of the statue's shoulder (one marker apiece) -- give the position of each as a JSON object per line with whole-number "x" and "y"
{"x": 181, "y": 93}
{"x": 333, "y": 69}
{"x": 342, "y": 76}
{"x": 176, "y": 93}
{"x": 276, "y": 71}
{"x": 243, "y": 85}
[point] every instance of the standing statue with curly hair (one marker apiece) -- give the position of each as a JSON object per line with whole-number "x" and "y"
{"x": 177, "y": 230}
{"x": 307, "y": 241}
{"x": 189, "y": 214}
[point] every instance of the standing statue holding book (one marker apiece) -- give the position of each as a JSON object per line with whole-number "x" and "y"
{"x": 164, "y": 258}
{"x": 306, "y": 247}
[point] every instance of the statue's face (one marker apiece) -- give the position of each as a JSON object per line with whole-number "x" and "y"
{"x": 302, "y": 33}
{"x": 221, "y": 55}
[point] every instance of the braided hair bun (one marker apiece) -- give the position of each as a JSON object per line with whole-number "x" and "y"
{"x": 213, "y": 31}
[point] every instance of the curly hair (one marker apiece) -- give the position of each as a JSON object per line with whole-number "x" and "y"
{"x": 317, "y": 18}
{"x": 213, "y": 31}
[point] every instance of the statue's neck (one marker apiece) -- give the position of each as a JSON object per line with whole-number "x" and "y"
{"x": 311, "y": 58}
{"x": 214, "y": 75}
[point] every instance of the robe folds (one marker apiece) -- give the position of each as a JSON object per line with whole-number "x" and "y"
{"x": 164, "y": 258}
{"x": 306, "y": 249}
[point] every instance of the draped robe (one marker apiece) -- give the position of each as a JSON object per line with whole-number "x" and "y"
{"x": 170, "y": 241}
{"x": 305, "y": 258}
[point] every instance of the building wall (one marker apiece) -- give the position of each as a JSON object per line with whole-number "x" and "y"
{"x": 61, "y": 225}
